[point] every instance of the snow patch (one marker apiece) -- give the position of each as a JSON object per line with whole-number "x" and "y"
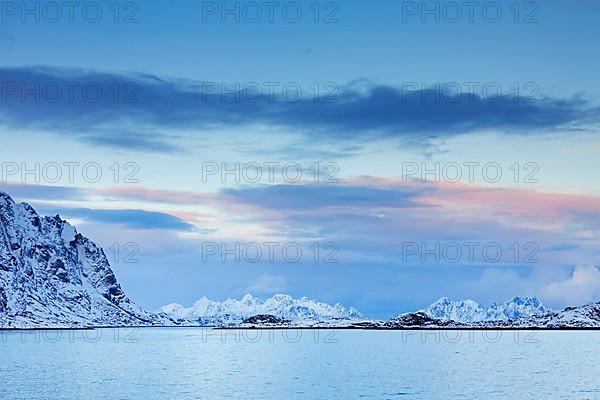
{"x": 68, "y": 233}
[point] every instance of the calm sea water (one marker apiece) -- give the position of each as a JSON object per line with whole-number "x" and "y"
{"x": 202, "y": 364}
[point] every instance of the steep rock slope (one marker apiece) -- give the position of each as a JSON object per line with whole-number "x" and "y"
{"x": 52, "y": 276}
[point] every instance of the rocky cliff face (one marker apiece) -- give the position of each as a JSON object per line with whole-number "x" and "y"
{"x": 52, "y": 276}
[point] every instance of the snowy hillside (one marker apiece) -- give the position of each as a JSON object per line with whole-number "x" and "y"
{"x": 51, "y": 276}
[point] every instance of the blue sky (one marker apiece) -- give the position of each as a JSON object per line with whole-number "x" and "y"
{"x": 398, "y": 97}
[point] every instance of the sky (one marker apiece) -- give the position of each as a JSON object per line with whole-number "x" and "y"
{"x": 376, "y": 154}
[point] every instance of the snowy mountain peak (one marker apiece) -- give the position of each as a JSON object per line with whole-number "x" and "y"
{"x": 530, "y": 301}
{"x": 248, "y": 299}
{"x": 5, "y": 198}
{"x": 231, "y": 311}
{"x": 467, "y": 311}
{"x": 52, "y": 276}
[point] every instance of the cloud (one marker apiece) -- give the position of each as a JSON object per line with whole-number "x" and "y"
{"x": 135, "y": 219}
{"x": 137, "y": 110}
{"x": 369, "y": 218}
{"x": 471, "y": 201}
{"x": 139, "y": 193}
{"x": 563, "y": 247}
{"x": 582, "y": 287}
{"x": 28, "y": 192}
{"x": 132, "y": 141}
{"x": 313, "y": 196}
{"x": 267, "y": 284}
{"x": 131, "y": 218}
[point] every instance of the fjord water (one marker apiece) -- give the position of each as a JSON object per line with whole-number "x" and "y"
{"x": 197, "y": 363}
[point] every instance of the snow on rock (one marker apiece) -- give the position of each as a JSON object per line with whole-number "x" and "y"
{"x": 470, "y": 311}
{"x": 517, "y": 313}
{"x": 461, "y": 311}
{"x": 52, "y": 276}
{"x": 282, "y": 306}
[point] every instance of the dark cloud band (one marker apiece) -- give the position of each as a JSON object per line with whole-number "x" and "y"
{"x": 134, "y": 110}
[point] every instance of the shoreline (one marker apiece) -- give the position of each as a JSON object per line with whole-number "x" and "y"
{"x": 274, "y": 328}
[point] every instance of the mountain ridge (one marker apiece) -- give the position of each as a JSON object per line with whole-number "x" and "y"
{"x": 582, "y": 317}
{"x": 466, "y": 311}
{"x": 52, "y": 276}
{"x": 282, "y": 306}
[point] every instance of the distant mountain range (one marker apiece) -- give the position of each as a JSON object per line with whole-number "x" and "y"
{"x": 301, "y": 311}
{"x": 53, "y": 277}
{"x": 468, "y": 311}
{"x": 517, "y": 313}
{"x": 283, "y": 310}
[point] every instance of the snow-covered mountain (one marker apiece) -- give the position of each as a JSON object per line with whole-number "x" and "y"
{"x": 517, "y": 313}
{"x": 587, "y": 316}
{"x": 52, "y": 276}
{"x": 467, "y": 311}
{"x": 232, "y": 312}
